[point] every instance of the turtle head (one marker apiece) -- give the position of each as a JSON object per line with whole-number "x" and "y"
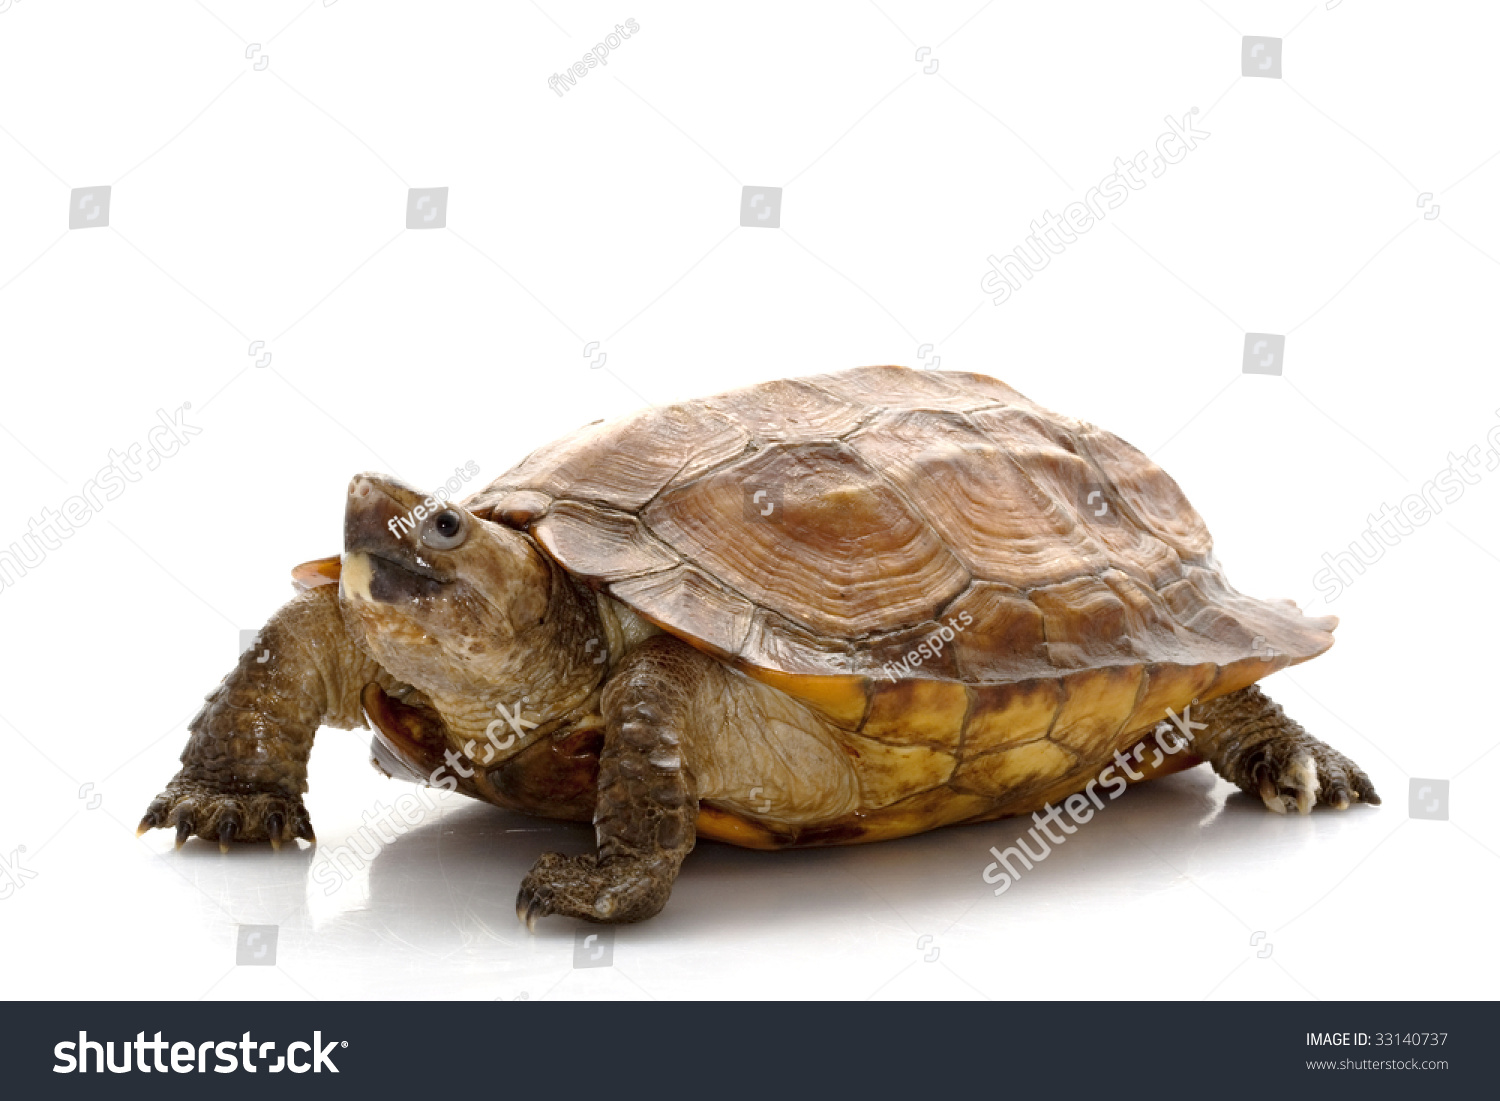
{"x": 441, "y": 598}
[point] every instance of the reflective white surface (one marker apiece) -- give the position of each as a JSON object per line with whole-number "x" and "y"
{"x": 1161, "y": 895}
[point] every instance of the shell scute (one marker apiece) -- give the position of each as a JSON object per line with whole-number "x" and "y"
{"x": 1003, "y": 521}
{"x": 828, "y": 545}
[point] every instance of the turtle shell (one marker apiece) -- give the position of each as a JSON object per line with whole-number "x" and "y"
{"x": 928, "y": 557}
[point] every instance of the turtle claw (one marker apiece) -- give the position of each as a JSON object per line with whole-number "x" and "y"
{"x": 623, "y": 889}
{"x": 1269, "y": 796}
{"x": 1296, "y": 788}
{"x": 195, "y": 807}
{"x": 531, "y": 904}
{"x": 527, "y": 911}
{"x": 1315, "y": 776}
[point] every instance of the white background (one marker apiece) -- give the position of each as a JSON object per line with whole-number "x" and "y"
{"x": 269, "y": 205}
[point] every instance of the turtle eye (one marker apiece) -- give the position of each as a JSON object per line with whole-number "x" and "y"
{"x": 445, "y": 530}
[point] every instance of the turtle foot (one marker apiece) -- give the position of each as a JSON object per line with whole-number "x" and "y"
{"x": 618, "y": 890}
{"x": 195, "y": 807}
{"x": 1305, "y": 774}
{"x": 1253, "y": 744}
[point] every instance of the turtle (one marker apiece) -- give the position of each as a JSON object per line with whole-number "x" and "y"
{"x": 829, "y": 610}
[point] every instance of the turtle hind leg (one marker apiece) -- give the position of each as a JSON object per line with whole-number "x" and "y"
{"x": 646, "y": 812}
{"x": 1252, "y": 743}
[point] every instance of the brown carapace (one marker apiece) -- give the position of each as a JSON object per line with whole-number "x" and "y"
{"x": 990, "y": 598}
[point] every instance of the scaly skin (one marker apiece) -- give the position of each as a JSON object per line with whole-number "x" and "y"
{"x": 647, "y": 803}
{"x": 244, "y": 768}
{"x": 1252, "y": 743}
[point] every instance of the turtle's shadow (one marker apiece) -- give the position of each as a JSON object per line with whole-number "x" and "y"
{"x": 444, "y": 883}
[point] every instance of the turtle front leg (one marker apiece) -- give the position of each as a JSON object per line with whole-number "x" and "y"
{"x": 1252, "y": 743}
{"x": 244, "y": 768}
{"x": 647, "y": 807}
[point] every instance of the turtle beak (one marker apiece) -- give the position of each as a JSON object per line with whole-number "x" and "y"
{"x": 383, "y": 559}
{"x": 380, "y": 515}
